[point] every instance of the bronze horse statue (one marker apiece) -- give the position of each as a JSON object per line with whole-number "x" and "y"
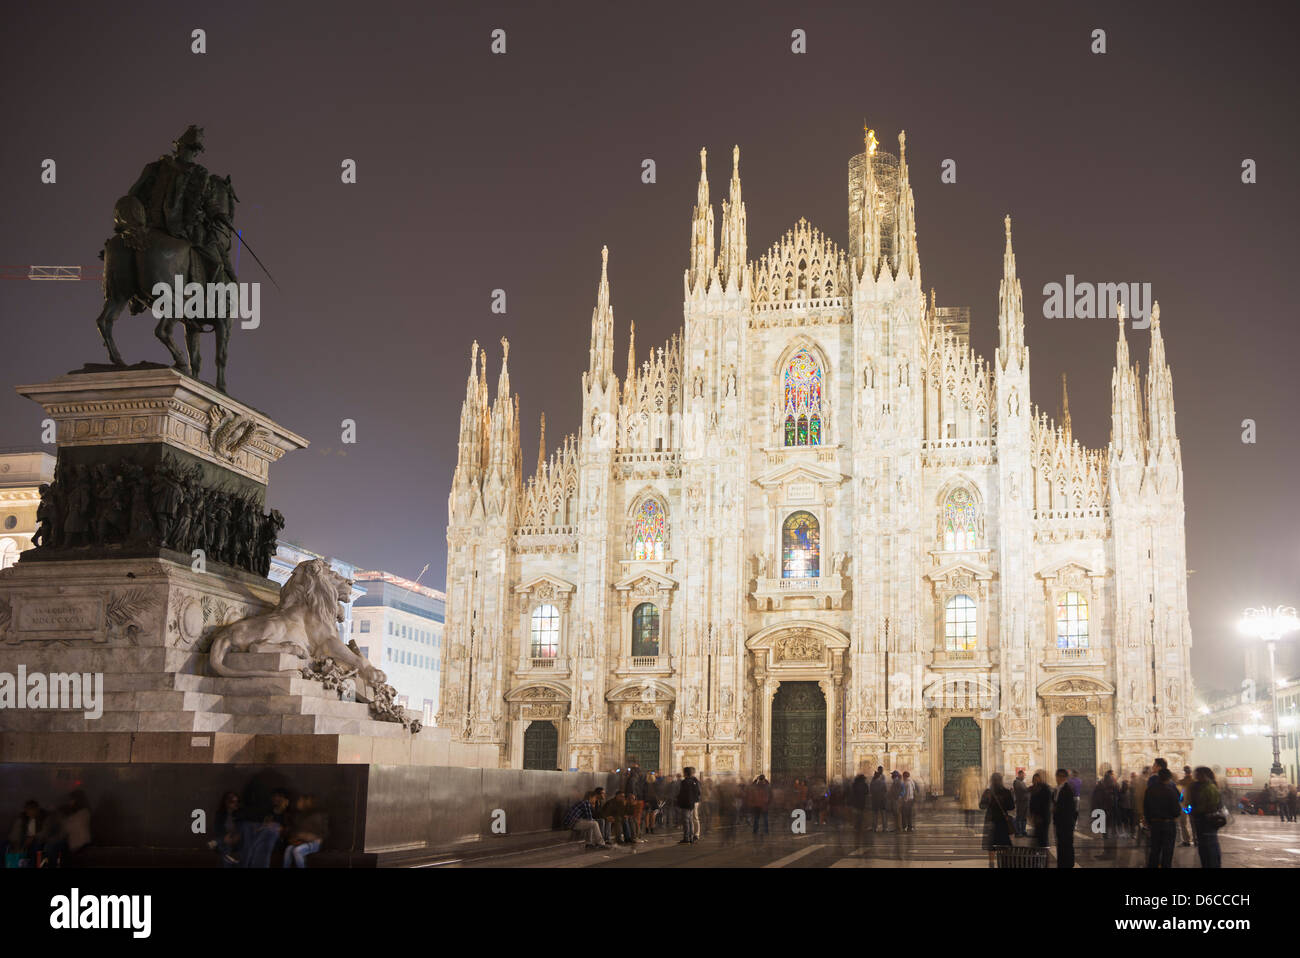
{"x": 138, "y": 257}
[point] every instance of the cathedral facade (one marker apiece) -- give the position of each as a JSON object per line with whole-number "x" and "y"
{"x": 814, "y": 533}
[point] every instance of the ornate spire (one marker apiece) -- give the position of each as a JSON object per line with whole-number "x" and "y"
{"x": 1065, "y": 409}
{"x": 600, "y": 364}
{"x": 631, "y": 351}
{"x": 1160, "y": 394}
{"x": 541, "y": 445}
{"x": 503, "y": 378}
{"x": 1011, "y": 311}
{"x": 906, "y": 260}
{"x": 702, "y": 258}
{"x": 731, "y": 264}
{"x": 1126, "y": 425}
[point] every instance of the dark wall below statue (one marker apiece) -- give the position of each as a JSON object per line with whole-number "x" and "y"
{"x": 143, "y": 813}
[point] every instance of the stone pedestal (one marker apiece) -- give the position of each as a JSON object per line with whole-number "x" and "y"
{"x": 155, "y": 463}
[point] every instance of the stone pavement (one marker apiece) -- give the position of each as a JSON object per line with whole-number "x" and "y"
{"x": 941, "y": 840}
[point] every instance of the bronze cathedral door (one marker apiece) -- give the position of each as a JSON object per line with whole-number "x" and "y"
{"x": 798, "y": 732}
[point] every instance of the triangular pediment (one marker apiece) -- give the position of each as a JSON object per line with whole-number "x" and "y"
{"x": 646, "y": 578}
{"x": 539, "y": 584}
{"x": 1067, "y": 566}
{"x": 975, "y": 570}
{"x": 800, "y": 472}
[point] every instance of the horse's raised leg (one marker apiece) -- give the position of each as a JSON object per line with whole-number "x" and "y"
{"x": 164, "y": 333}
{"x": 222, "y": 331}
{"x": 192, "y": 334}
{"x": 108, "y": 316}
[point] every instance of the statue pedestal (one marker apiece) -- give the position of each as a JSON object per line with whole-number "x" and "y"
{"x": 155, "y": 463}
{"x": 153, "y": 528}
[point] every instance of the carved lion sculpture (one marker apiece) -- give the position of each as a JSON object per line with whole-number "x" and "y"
{"x": 305, "y": 624}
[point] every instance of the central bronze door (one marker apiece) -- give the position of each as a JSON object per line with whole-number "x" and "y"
{"x": 798, "y": 732}
{"x": 641, "y": 743}
{"x": 961, "y": 751}
{"x": 542, "y": 746}
{"x": 1076, "y": 746}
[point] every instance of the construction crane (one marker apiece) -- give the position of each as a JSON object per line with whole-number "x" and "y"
{"x": 56, "y": 274}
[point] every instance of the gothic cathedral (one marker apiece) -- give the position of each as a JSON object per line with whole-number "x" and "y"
{"x": 814, "y": 533}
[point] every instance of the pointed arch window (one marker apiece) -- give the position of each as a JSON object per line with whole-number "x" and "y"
{"x": 1071, "y": 621}
{"x": 959, "y": 624}
{"x": 648, "y": 527}
{"x": 959, "y": 521}
{"x": 800, "y": 546}
{"x": 546, "y": 632}
{"x": 645, "y": 629}
{"x": 804, "y": 413}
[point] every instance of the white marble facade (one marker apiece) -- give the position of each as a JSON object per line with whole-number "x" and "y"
{"x": 972, "y": 559}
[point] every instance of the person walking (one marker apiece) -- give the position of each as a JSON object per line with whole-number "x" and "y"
{"x": 760, "y": 800}
{"x": 1125, "y": 804}
{"x": 999, "y": 805}
{"x": 907, "y": 793}
{"x": 1185, "y": 791}
{"x": 895, "y": 811}
{"x": 688, "y": 800}
{"x": 1105, "y": 798}
{"x": 1020, "y": 788}
{"x": 1040, "y": 807}
{"x": 969, "y": 796}
{"x": 859, "y": 794}
{"x": 879, "y": 789}
{"x": 1139, "y": 796}
{"x": 1065, "y": 811}
{"x": 1207, "y": 817}
{"x": 1161, "y": 810}
{"x": 1292, "y": 799}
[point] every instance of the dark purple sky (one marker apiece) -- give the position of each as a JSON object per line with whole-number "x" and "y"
{"x": 480, "y": 171}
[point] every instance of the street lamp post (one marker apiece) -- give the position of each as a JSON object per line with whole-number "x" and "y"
{"x": 1269, "y": 625}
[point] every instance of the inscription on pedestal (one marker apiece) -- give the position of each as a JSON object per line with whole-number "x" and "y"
{"x": 80, "y": 616}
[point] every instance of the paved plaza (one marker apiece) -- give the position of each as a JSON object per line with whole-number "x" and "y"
{"x": 941, "y": 840}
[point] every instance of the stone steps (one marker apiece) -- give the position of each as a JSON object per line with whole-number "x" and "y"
{"x": 154, "y": 699}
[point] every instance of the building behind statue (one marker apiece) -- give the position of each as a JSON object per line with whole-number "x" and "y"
{"x": 396, "y": 623}
{"x": 814, "y": 532}
{"x": 21, "y": 476}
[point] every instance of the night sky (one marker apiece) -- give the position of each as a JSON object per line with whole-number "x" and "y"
{"x": 478, "y": 172}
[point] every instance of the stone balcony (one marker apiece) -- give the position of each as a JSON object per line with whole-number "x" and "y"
{"x": 825, "y": 592}
{"x": 629, "y": 665}
{"x": 1067, "y": 658}
{"x": 546, "y": 665}
{"x": 961, "y": 659}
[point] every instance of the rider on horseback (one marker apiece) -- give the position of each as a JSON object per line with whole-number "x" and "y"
{"x": 174, "y": 226}
{"x": 176, "y": 193}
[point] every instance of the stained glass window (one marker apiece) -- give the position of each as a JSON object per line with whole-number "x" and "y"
{"x": 648, "y": 531}
{"x": 546, "y": 632}
{"x": 645, "y": 629}
{"x": 1071, "y": 621}
{"x": 800, "y": 546}
{"x": 959, "y": 528}
{"x": 959, "y": 624}
{"x": 803, "y": 400}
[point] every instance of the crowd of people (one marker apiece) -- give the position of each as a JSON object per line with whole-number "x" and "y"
{"x": 49, "y": 838}
{"x": 288, "y": 831}
{"x": 1153, "y": 809}
{"x": 645, "y": 802}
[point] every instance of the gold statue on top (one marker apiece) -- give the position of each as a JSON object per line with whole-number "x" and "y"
{"x": 869, "y": 138}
